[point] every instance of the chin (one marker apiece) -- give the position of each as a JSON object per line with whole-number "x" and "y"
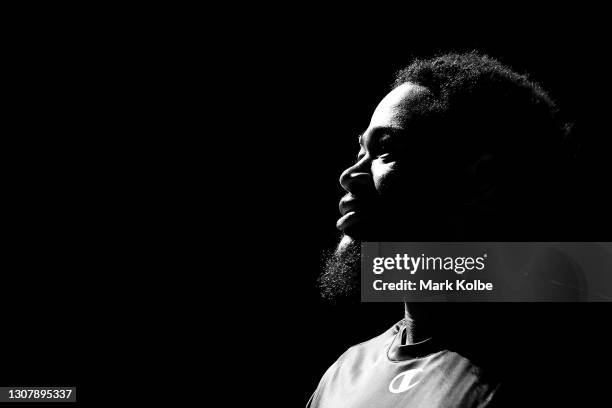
{"x": 345, "y": 242}
{"x": 362, "y": 232}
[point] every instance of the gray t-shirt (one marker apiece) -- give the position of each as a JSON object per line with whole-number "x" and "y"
{"x": 383, "y": 372}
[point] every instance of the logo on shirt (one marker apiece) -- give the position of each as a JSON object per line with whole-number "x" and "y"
{"x": 404, "y": 381}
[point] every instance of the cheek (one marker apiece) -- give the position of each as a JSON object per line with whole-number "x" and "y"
{"x": 383, "y": 175}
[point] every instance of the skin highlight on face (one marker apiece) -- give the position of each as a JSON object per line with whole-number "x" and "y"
{"x": 367, "y": 182}
{"x": 382, "y": 148}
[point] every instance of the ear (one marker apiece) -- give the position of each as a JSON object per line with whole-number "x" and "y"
{"x": 481, "y": 179}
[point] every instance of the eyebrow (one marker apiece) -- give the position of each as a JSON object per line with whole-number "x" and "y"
{"x": 378, "y": 132}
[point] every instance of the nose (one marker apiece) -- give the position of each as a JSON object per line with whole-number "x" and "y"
{"x": 357, "y": 179}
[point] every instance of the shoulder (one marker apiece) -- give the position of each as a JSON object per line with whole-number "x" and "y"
{"x": 355, "y": 357}
{"x": 375, "y": 346}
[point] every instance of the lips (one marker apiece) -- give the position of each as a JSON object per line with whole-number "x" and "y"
{"x": 352, "y": 210}
{"x": 350, "y": 203}
{"x": 347, "y": 220}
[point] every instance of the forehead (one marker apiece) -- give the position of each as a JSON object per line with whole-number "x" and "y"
{"x": 395, "y": 109}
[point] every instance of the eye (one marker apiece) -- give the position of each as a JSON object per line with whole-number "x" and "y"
{"x": 384, "y": 143}
{"x": 386, "y": 157}
{"x": 384, "y": 148}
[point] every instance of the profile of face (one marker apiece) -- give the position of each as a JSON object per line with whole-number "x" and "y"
{"x": 392, "y": 188}
{"x": 412, "y": 182}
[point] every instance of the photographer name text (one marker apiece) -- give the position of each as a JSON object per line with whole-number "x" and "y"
{"x": 430, "y": 285}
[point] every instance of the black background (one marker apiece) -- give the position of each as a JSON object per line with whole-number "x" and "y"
{"x": 321, "y": 88}
{"x": 77, "y": 293}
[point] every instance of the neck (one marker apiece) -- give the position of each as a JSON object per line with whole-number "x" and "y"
{"x": 421, "y": 322}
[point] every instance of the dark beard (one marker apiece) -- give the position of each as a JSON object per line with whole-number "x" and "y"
{"x": 339, "y": 282}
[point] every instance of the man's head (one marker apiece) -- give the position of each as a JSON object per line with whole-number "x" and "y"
{"x": 461, "y": 147}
